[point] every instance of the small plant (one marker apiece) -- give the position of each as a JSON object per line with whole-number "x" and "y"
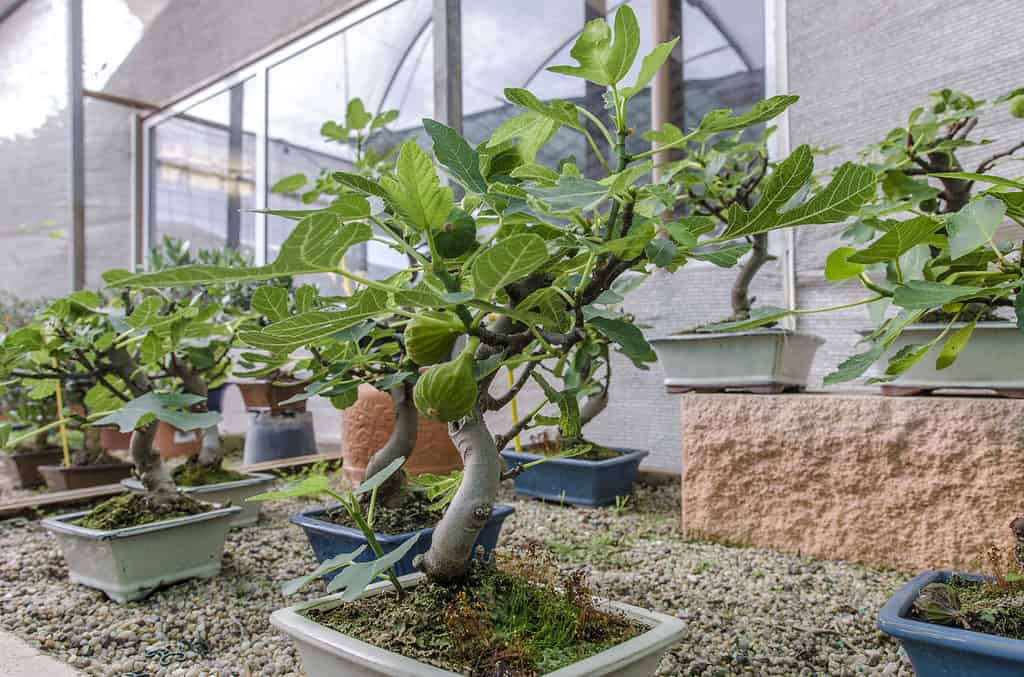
{"x": 622, "y": 506}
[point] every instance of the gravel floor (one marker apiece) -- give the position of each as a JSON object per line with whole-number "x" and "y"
{"x": 749, "y": 611}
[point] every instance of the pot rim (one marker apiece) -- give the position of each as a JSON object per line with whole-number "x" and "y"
{"x": 86, "y": 468}
{"x": 663, "y": 631}
{"x": 892, "y": 620}
{"x": 627, "y": 456}
{"x": 763, "y": 331}
{"x": 62, "y": 524}
{"x": 251, "y": 479}
{"x": 310, "y": 519}
{"x": 32, "y": 452}
{"x": 939, "y": 326}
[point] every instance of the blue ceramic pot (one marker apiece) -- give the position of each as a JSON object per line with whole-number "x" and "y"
{"x": 575, "y": 481}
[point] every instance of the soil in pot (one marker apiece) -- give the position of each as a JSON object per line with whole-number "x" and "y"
{"x": 994, "y": 608}
{"x": 545, "y": 445}
{"x": 412, "y": 514}
{"x": 193, "y": 474}
{"x": 516, "y": 618}
{"x": 132, "y": 510}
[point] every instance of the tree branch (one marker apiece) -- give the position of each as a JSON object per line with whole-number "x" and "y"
{"x": 991, "y": 161}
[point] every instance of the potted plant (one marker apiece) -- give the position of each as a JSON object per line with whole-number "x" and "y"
{"x": 511, "y": 276}
{"x": 133, "y": 543}
{"x": 26, "y": 414}
{"x": 963, "y": 235}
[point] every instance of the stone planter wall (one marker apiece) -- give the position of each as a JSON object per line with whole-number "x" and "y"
{"x": 911, "y": 483}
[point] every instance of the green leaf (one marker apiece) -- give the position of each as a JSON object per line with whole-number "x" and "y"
{"x": 685, "y": 231}
{"x": 349, "y": 207}
{"x": 839, "y": 267}
{"x": 974, "y": 225}
{"x": 532, "y": 129}
{"x": 378, "y": 478}
{"x": 602, "y": 59}
{"x": 314, "y": 485}
{"x": 147, "y": 313}
{"x": 722, "y": 120}
{"x": 630, "y": 339}
{"x": 456, "y": 155}
{"x": 725, "y": 256}
{"x": 152, "y": 349}
{"x": 415, "y": 191}
{"x": 289, "y": 184}
{"x": 550, "y": 305}
{"x": 925, "y": 294}
{"x": 849, "y": 189}
{"x": 509, "y": 260}
{"x": 356, "y": 116}
{"x": 271, "y": 302}
{"x": 897, "y": 240}
{"x": 982, "y": 178}
{"x": 170, "y": 408}
{"x": 305, "y": 328}
{"x": 855, "y": 366}
{"x": 327, "y": 566}
{"x": 354, "y": 578}
{"x": 661, "y": 251}
{"x": 954, "y": 345}
{"x": 907, "y": 357}
{"x": 571, "y": 193}
{"x": 316, "y": 245}
{"x": 652, "y": 62}
{"x": 759, "y": 317}
{"x": 532, "y": 171}
{"x": 632, "y": 245}
{"x": 359, "y": 183}
{"x": 558, "y": 111}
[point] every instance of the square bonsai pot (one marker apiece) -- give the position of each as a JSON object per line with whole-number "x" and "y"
{"x": 225, "y": 493}
{"x": 574, "y": 480}
{"x": 327, "y": 653}
{"x": 949, "y": 652}
{"x": 21, "y": 468}
{"x": 66, "y": 478}
{"x": 128, "y": 564}
{"x": 330, "y": 540}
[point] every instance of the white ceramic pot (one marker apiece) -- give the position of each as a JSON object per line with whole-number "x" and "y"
{"x": 128, "y": 564}
{"x": 328, "y": 653}
{"x": 993, "y": 359}
{"x": 761, "y": 360}
{"x": 225, "y": 493}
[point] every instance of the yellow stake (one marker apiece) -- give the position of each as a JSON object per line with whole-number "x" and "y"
{"x": 515, "y": 410}
{"x": 63, "y": 429}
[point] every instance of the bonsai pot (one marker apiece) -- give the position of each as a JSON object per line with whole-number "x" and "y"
{"x": 128, "y": 564}
{"x": 20, "y": 469}
{"x": 113, "y": 439}
{"x": 225, "y": 493}
{"x": 326, "y": 652}
{"x": 758, "y": 361}
{"x": 367, "y": 425}
{"x": 329, "y": 539}
{"x": 264, "y": 395}
{"x": 273, "y": 436}
{"x": 172, "y": 443}
{"x": 574, "y": 480}
{"x": 940, "y": 650}
{"x": 992, "y": 360}
{"x": 64, "y": 478}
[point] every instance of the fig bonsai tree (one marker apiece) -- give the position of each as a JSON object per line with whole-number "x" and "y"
{"x": 511, "y": 275}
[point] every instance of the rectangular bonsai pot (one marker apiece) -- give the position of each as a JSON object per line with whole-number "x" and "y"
{"x": 937, "y": 650}
{"x": 62, "y": 478}
{"x": 225, "y": 493}
{"x": 21, "y": 468}
{"x": 992, "y": 360}
{"x": 128, "y": 564}
{"x": 575, "y": 481}
{"x": 326, "y": 652}
{"x": 330, "y": 540}
{"x": 760, "y": 360}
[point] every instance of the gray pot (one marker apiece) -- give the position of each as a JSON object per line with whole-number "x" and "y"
{"x": 327, "y": 653}
{"x": 128, "y": 564}
{"x": 760, "y": 360}
{"x": 271, "y": 437}
{"x": 225, "y": 493}
{"x": 993, "y": 359}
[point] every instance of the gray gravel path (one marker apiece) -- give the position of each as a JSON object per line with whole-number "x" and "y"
{"x": 749, "y": 611}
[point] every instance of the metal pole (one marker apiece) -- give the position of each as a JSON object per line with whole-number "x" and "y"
{"x": 668, "y": 100}
{"x": 76, "y": 140}
{"x": 138, "y": 192}
{"x": 260, "y": 95}
{"x": 236, "y": 97}
{"x": 448, "y": 63}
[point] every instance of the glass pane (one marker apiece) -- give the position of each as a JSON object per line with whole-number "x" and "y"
{"x": 385, "y": 60}
{"x": 204, "y": 172}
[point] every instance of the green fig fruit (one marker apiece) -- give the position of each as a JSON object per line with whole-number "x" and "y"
{"x": 446, "y": 392}
{"x": 1017, "y": 106}
{"x": 430, "y": 336}
{"x": 457, "y": 236}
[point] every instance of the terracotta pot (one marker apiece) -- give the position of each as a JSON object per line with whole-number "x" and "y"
{"x": 368, "y": 423}
{"x": 172, "y": 443}
{"x": 263, "y": 395}
{"x": 113, "y": 439}
{"x": 60, "y": 478}
{"x": 21, "y": 468}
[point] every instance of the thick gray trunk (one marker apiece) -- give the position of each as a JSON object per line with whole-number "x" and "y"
{"x": 593, "y": 405}
{"x": 759, "y": 256}
{"x": 211, "y": 455}
{"x": 454, "y": 536}
{"x": 399, "y": 445}
{"x": 152, "y": 471}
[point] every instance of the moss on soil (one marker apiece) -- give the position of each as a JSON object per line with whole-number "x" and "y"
{"x": 497, "y": 622}
{"x": 192, "y": 474}
{"x": 413, "y": 514}
{"x": 989, "y": 608}
{"x": 132, "y": 510}
{"x": 594, "y": 452}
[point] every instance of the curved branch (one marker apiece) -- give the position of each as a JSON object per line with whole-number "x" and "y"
{"x": 399, "y": 445}
{"x": 152, "y": 472}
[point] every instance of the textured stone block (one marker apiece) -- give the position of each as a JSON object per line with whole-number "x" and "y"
{"x": 910, "y": 483}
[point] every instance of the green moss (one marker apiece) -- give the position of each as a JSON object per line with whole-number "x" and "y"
{"x": 496, "y": 622}
{"x": 192, "y": 474}
{"x": 132, "y": 510}
{"x": 583, "y": 449}
{"x": 413, "y": 514}
{"x": 991, "y": 608}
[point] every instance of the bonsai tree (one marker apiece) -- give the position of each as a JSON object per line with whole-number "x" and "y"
{"x": 926, "y": 243}
{"x": 512, "y": 275}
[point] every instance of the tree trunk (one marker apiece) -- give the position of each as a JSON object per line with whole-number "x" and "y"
{"x": 1017, "y": 526}
{"x": 759, "y": 256}
{"x": 152, "y": 472}
{"x": 593, "y": 405}
{"x": 211, "y": 454}
{"x": 455, "y": 535}
{"x": 399, "y": 445}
